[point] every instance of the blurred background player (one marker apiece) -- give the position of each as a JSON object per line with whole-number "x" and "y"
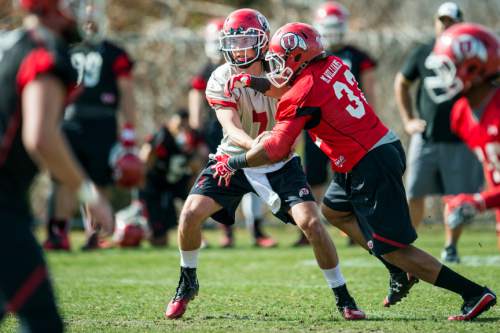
{"x": 171, "y": 160}
{"x": 36, "y": 79}
{"x": 203, "y": 119}
{"x": 468, "y": 58}
{"x": 438, "y": 162}
{"x": 90, "y": 122}
{"x": 331, "y": 21}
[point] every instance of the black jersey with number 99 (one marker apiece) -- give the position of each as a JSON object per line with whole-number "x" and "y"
{"x": 99, "y": 66}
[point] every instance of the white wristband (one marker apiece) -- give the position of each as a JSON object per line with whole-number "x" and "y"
{"x": 87, "y": 193}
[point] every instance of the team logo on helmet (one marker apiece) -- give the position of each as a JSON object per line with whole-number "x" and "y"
{"x": 291, "y": 41}
{"x": 467, "y": 46}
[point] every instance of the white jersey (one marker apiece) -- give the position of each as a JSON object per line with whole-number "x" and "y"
{"x": 256, "y": 110}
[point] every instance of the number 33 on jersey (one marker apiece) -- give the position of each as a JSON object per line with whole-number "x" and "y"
{"x": 338, "y": 112}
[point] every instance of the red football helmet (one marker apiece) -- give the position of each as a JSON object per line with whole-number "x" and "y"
{"x": 92, "y": 15}
{"x": 131, "y": 225}
{"x": 331, "y": 22}
{"x": 128, "y": 170}
{"x": 244, "y": 30}
{"x": 291, "y": 49}
{"x": 211, "y": 35}
{"x": 67, "y": 8}
{"x": 464, "y": 54}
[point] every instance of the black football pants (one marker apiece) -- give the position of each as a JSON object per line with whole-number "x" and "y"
{"x": 25, "y": 288}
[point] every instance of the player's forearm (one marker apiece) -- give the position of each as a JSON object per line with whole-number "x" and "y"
{"x": 491, "y": 198}
{"x": 127, "y": 100}
{"x": 403, "y": 98}
{"x": 230, "y": 122}
{"x": 264, "y": 86}
{"x": 195, "y": 101}
{"x": 239, "y": 137}
{"x": 42, "y": 102}
{"x": 255, "y": 157}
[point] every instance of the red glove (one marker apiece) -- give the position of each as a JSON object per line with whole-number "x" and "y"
{"x": 127, "y": 136}
{"x": 454, "y": 202}
{"x": 241, "y": 80}
{"x": 461, "y": 208}
{"x": 222, "y": 170}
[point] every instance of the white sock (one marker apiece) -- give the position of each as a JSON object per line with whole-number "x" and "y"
{"x": 334, "y": 277}
{"x": 189, "y": 258}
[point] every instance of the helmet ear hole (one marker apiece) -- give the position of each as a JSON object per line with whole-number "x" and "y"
{"x": 297, "y": 57}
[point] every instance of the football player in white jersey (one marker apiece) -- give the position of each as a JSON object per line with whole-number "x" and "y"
{"x": 245, "y": 114}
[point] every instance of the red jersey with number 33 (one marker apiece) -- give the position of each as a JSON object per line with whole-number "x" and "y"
{"x": 342, "y": 123}
{"x": 481, "y": 135}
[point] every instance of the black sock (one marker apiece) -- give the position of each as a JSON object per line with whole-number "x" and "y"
{"x": 341, "y": 293}
{"x": 228, "y": 230}
{"x": 390, "y": 267}
{"x": 257, "y": 231}
{"x": 57, "y": 226}
{"x": 455, "y": 282}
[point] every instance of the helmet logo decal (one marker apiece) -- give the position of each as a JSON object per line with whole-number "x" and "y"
{"x": 291, "y": 41}
{"x": 467, "y": 46}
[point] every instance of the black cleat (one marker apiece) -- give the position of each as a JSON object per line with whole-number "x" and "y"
{"x": 186, "y": 291}
{"x": 476, "y": 305}
{"x": 450, "y": 255}
{"x": 346, "y": 304}
{"x": 399, "y": 286}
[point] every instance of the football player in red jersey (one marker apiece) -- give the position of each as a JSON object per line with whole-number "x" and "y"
{"x": 369, "y": 161}
{"x": 36, "y": 79}
{"x": 282, "y": 185}
{"x": 467, "y": 59}
{"x": 331, "y": 20}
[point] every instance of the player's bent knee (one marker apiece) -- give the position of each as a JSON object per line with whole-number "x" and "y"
{"x": 336, "y": 217}
{"x": 311, "y": 226}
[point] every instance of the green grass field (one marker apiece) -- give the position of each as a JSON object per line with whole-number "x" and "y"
{"x": 247, "y": 289}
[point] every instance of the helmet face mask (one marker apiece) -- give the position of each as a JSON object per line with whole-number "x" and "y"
{"x": 279, "y": 75}
{"x": 244, "y": 38}
{"x": 291, "y": 49}
{"x": 445, "y": 84}
{"x": 93, "y": 20}
{"x": 465, "y": 55}
{"x": 331, "y": 22}
{"x": 248, "y": 44}
{"x": 332, "y": 33}
{"x": 211, "y": 36}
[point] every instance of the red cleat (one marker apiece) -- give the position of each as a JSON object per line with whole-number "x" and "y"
{"x": 346, "y": 304}
{"x": 176, "y": 308}
{"x": 59, "y": 243}
{"x": 186, "y": 291}
{"x": 227, "y": 242}
{"x": 353, "y": 314}
{"x": 265, "y": 242}
{"x": 476, "y": 305}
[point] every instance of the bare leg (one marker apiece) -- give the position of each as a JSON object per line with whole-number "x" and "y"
{"x": 195, "y": 211}
{"x": 306, "y": 216}
{"x": 345, "y": 221}
{"x": 417, "y": 209}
